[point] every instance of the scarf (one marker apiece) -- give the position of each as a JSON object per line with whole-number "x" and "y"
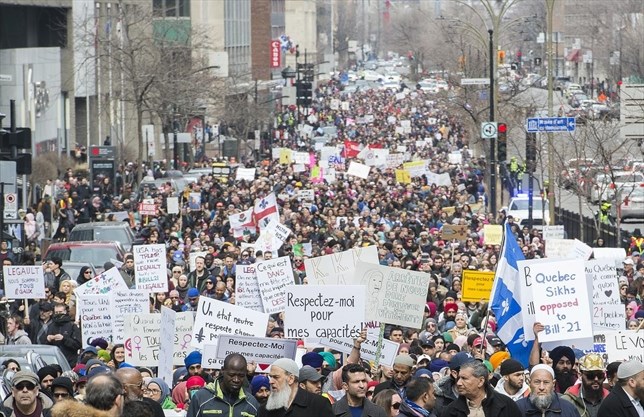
{"x": 417, "y": 409}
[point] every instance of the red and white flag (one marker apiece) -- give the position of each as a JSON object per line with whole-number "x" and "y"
{"x": 239, "y": 220}
{"x": 266, "y": 210}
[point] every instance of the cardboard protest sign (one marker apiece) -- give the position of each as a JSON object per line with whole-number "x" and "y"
{"x": 415, "y": 168}
{"x": 403, "y": 176}
{"x": 123, "y": 302}
{"x": 561, "y": 301}
{"x": 142, "y": 338}
{"x": 278, "y": 230}
{"x": 247, "y": 174}
{"x": 617, "y": 255}
{"x": 492, "y": 234}
{"x": 553, "y": 232}
{"x": 477, "y": 285}
{"x": 624, "y": 346}
{"x": 172, "y": 204}
{"x": 337, "y": 268}
{"x": 256, "y": 349}
{"x": 368, "y": 348}
{"x": 23, "y": 281}
{"x": 454, "y": 231}
{"x": 567, "y": 249}
{"x": 150, "y": 267}
{"x": 166, "y": 343}
{"x": 394, "y": 295}
{"x": 359, "y": 170}
{"x": 215, "y": 318}
{"x": 95, "y": 318}
{"x": 608, "y": 311}
{"x": 324, "y": 311}
{"x": 273, "y": 276}
{"x": 247, "y": 292}
{"x": 102, "y": 283}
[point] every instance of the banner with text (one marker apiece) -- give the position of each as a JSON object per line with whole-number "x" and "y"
{"x": 255, "y": 349}
{"x": 95, "y": 318}
{"x": 150, "y": 267}
{"x": 23, "y": 281}
{"x": 123, "y": 302}
{"x": 608, "y": 310}
{"x": 102, "y": 283}
{"x": 273, "y": 276}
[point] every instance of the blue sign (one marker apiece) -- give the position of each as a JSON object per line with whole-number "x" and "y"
{"x": 551, "y": 124}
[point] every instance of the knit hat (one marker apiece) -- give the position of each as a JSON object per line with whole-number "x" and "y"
{"x": 559, "y": 352}
{"x": 497, "y": 358}
{"x": 312, "y": 359}
{"x": 104, "y": 355}
{"x": 437, "y": 364}
{"x": 99, "y": 342}
{"x": 258, "y": 382}
{"x": 193, "y": 292}
{"x": 64, "y": 382}
{"x": 193, "y": 358}
{"x": 288, "y": 365}
{"x": 422, "y": 372}
{"x": 629, "y": 369}
{"x": 510, "y": 366}
{"x": 329, "y": 358}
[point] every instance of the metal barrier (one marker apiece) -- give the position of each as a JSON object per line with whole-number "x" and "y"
{"x": 575, "y": 229}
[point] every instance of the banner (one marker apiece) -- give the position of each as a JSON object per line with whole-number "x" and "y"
{"x": 338, "y": 268}
{"x": 318, "y": 311}
{"x": 215, "y": 318}
{"x": 608, "y": 311}
{"x": 247, "y": 294}
{"x": 624, "y": 346}
{"x": 368, "y": 349}
{"x": 95, "y": 318}
{"x": 394, "y": 295}
{"x": 166, "y": 343}
{"x": 567, "y": 249}
{"x": 23, "y": 282}
{"x": 150, "y": 267}
{"x": 102, "y": 283}
{"x": 255, "y": 349}
{"x": 273, "y": 276}
{"x": 477, "y": 285}
{"x": 561, "y": 301}
{"x": 123, "y": 302}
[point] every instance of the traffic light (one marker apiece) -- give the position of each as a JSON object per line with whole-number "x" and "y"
{"x": 304, "y": 93}
{"x": 10, "y": 143}
{"x": 23, "y": 162}
{"x": 531, "y": 151}
{"x": 502, "y": 142}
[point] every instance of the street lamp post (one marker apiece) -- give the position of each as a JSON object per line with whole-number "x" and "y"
{"x": 492, "y": 141}
{"x": 551, "y": 162}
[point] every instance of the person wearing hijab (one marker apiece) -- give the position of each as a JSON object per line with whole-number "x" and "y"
{"x": 158, "y": 390}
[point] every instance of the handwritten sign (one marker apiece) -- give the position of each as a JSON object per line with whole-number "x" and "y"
{"x": 324, "y": 311}
{"x": 553, "y": 232}
{"x": 454, "y": 231}
{"x": 102, "y": 283}
{"x": 255, "y": 349}
{"x": 247, "y": 292}
{"x": 608, "y": 311}
{"x": 95, "y": 317}
{"x": 123, "y": 302}
{"x": 492, "y": 234}
{"x": 477, "y": 285}
{"x": 561, "y": 300}
{"x": 215, "y": 318}
{"x": 567, "y": 249}
{"x": 273, "y": 276}
{"x": 247, "y": 174}
{"x": 166, "y": 343}
{"x": 150, "y": 267}
{"x": 24, "y": 281}
{"x": 338, "y": 268}
{"x": 394, "y": 295}
{"x": 624, "y": 346}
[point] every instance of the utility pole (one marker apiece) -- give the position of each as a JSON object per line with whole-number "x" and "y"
{"x": 492, "y": 196}
{"x": 550, "y": 4}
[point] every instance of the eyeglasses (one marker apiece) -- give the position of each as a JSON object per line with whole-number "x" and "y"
{"x": 138, "y": 385}
{"x": 594, "y": 375}
{"x": 61, "y": 394}
{"x": 152, "y": 391}
{"x": 22, "y": 385}
{"x": 193, "y": 298}
{"x": 209, "y": 283}
{"x": 395, "y": 406}
{"x": 174, "y": 298}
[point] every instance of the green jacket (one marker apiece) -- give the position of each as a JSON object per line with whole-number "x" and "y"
{"x": 210, "y": 401}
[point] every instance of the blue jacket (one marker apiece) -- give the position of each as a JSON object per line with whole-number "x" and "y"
{"x": 558, "y": 408}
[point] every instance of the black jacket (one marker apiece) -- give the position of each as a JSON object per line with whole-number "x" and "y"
{"x": 71, "y": 342}
{"x": 341, "y": 409}
{"x": 305, "y": 404}
{"x": 385, "y": 385}
{"x": 494, "y": 405}
{"x": 558, "y": 408}
{"x": 617, "y": 404}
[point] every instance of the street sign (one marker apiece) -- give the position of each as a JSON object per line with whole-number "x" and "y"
{"x": 475, "y": 81}
{"x": 551, "y": 124}
{"x": 10, "y": 206}
{"x": 488, "y": 130}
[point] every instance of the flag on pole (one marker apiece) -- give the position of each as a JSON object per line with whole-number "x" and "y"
{"x": 506, "y": 302}
{"x": 266, "y": 210}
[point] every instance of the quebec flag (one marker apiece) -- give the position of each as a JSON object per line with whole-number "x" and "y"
{"x": 505, "y": 299}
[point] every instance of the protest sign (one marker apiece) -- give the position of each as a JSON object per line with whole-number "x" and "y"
{"x": 166, "y": 343}
{"x": 273, "y": 276}
{"x": 256, "y": 349}
{"x": 215, "y": 318}
{"x": 337, "y": 268}
{"x": 324, "y": 311}
{"x": 150, "y": 267}
{"x": 194, "y": 201}
{"x": 617, "y": 255}
{"x": 415, "y": 168}
{"x": 102, "y": 283}
{"x": 247, "y": 292}
{"x": 306, "y": 195}
{"x": 95, "y": 318}
{"x": 247, "y": 174}
{"x": 492, "y": 234}
{"x": 608, "y": 311}
{"x": 24, "y": 281}
{"x": 142, "y": 338}
{"x": 285, "y": 156}
{"x": 553, "y": 232}
{"x": 454, "y": 232}
{"x": 124, "y": 302}
{"x": 561, "y": 301}
{"x": 279, "y": 231}
{"x": 368, "y": 348}
{"x": 359, "y": 170}
{"x": 624, "y": 346}
{"x": 477, "y": 285}
{"x": 403, "y": 176}
{"x": 567, "y": 249}
{"x": 173, "y": 205}
{"x": 394, "y": 295}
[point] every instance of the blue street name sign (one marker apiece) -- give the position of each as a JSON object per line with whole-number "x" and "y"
{"x": 551, "y": 124}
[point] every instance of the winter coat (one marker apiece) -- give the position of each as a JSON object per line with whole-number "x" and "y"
{"x": 522, "y": 393}
{"x": 573, "y": 395}
{"x": 211, "y": 401}
{"x": 19, "y": 338}
{"x": 494, "y": 405}
{"x": 71, "y": 408}
{"x": 444, "y": 394}
{"x": 305, "y": 404}
{"x": 341, "y": 409}
{"x": 71, "y": 342}
{"x": 617, "y": 404}
{"x": 558, "y": 408}
{"x": 7, "y": 410}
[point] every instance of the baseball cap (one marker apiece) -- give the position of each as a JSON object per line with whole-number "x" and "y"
{"x": 459, "y": 360}
{"x": 25, "y": 376}
{"x": 424, "y": 358}
{"x": 628, "y": 261}
{"x": 308, "y": 373}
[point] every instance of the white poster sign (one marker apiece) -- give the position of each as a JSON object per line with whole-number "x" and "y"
{"x": 123, "y": 302}
{"x": 166, "y": 343}
{"x": 95, "y": 317}
{"x": 23, "y": 281}
{"x": 553, "y": 232}
{"x": 624, "y": 346}
{"x": 150, "y": 267}
{"x": 368, "y": 349}
{"x": 102, "y": 283}
{"x": 256, "y": 349}
{"x": 359, "y": 170}
{"x": 567, "y": 249}
{"x": 247, "y": 292}
{"x": 337, "y": 268}
{"x": 247, "y": 174}
{"x": 318, "y": 311}
{"x": 273, "y": 276}
{"x": 608, "y": 311}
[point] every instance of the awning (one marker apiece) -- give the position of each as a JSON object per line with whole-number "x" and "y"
{"x": 574, "y": 55}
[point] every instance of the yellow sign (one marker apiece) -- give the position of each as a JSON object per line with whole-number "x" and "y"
{"x": 492, "y": 234}
{"x": 403, "y": 176}
{"x": 285, "y": 156}
{"x": 449, "y": 210}
{"x": 477, "y": 285}
{"x": 454, "y": 232}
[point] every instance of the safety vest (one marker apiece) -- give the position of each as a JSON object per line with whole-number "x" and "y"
{"x": 514, "y": 166}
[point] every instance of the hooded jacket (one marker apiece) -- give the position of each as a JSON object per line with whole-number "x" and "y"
{"x": 523, "y": 392}
{"x": 19, "y": 338}
{"x": 7, "y": 406}
{"x": 211, "y": 401}
{"x": 70, "y": 408}
{"x": 71, "y": 337}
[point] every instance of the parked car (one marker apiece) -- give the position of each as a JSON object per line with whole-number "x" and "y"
{"x": 519, "y": 209}
{"x": 631, "y": 204}
{"x": 106, "y": 231}
{"x": 73, "y": 268}
{"x": 601, "y": 188}
{"x": 49, "y": 354}
{"x": 576, "y": 99}
{"x": 95, "y": 253}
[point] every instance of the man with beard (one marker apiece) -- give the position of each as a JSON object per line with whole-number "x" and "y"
{"x": 420, "y": 399}
{"x": 543, "y": 400}
{"x": 65, "y": 334}
{"x": 627, "y": 397}
{"x": 132, "y": 381}
{"x": 355, "y": 402}
{"x": 225, "y": 396}
{"x": 403, "y": 365}
{"x": 260, "y": 387}
{"x": 449, "y": 314}
{"x": 588, "y": 394}
{"x": 287, "y": 398}
{"x": 513, "y": 383}
{"x": 563, "y": 362}
{"x": 310, "y": 380}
